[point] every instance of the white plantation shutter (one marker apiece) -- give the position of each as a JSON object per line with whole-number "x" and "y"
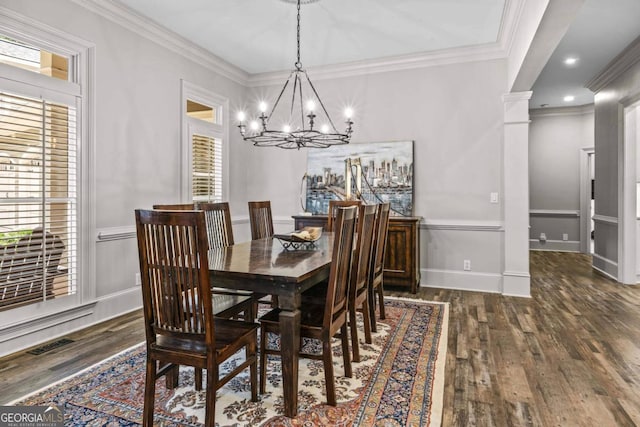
{"x": 206, "y": 168}
{"x": 38, "y": 200}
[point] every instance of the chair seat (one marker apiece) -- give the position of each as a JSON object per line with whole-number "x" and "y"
{"x": 230, "y": 334}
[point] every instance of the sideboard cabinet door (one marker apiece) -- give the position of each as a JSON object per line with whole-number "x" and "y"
{"x": 401, "y": 266}
{"x": 402, "y": 257}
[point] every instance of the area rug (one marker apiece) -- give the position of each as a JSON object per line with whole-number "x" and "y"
{"x": 399, "y": 382}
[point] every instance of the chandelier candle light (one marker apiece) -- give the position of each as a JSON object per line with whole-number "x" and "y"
{"x": 296, "y": 132}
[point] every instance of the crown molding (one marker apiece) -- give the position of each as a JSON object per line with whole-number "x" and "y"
{"x": 459, "y": 55}
{"x": 517, "y": 96}
{"x": 562, "y": 111}
{"x": 618, "y": 65}
{"x": 511, "y": 16}
{"x": 133, "y": 21}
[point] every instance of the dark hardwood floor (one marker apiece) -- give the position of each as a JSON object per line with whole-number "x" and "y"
{"x": 569, "y": 356}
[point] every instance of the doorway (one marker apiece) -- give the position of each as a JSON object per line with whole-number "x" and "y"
{"x": 587, "y": 199}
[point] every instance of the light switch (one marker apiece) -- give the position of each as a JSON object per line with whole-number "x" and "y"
{"x": 493, "y": 198}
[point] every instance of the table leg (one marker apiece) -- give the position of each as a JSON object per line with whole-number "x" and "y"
{"x": 290, "y": 348}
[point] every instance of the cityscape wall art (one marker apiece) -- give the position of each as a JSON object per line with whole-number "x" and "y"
{"x": 373, "y": 172}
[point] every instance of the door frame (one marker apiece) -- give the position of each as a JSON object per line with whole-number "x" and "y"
{"x": 585, "y": 199}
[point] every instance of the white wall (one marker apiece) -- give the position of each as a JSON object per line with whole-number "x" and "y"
{"x": 137, "y": 147}
{"x": 556, "y": 139}
{"x": 616, "y": 88}
{"x": 457, "y": 126}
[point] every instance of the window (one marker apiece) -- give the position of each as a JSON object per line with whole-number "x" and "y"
{"x": 39, "y": 109}
{"x": 204, "y": 139}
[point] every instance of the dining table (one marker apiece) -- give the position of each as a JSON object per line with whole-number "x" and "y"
{"x": 267, "y": 267}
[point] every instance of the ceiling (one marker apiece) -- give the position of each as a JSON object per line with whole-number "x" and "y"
{"x": 600, "y": 31}
{"x": 259, "y": 36}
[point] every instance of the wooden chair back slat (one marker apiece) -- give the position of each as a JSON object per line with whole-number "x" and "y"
{"x": 333, "y": 206}
{"x": 380, "y": 237}
{"x": 338, "y": 285}
{"x": 219, "y": 228}
{"x": 176, "y": 207}
{"x": 361, "y": 260}
{"x": 260, "y": 219}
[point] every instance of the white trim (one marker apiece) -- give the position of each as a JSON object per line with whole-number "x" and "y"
{"x": 81, "y": 55}
{"x": 190, "y": 91}
{"x": 554, "y": 245}
{"x": 36, "y": 324}
{"x": 104, "y": 308}
{"x": 461, "y": 280}
{"x": 459, "y": 55}
{"x": 605, "y": 219}
{"x": 513, "y": 282}
{"x": 143, "y": 26}
{"x": 605, "y": 266}
{"x": 581, "y": 110}
{"x": 627, "y": 192}
{"x": 618, "y": 65}
{"x": 461, "y": 225}
{"x": 133, "y": 21}
{"x": 116, "y": 233}
{"x": 515, "y": 97}
{"x": 554, "y": 212}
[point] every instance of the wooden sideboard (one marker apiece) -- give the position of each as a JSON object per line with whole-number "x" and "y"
{"x": 402, "y": 258}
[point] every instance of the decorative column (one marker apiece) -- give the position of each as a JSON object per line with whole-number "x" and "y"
{"x": 516, "y": 279}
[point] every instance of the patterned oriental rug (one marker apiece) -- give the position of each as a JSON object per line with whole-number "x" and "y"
{"x": 399, "y": 382}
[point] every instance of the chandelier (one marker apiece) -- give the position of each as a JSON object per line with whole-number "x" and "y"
{"x": 318, "y": 130}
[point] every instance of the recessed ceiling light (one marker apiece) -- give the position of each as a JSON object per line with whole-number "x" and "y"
{"x": 571, "y": 60}
{"x": 569, "y": 98}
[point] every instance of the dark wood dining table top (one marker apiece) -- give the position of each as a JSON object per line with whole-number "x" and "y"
{"x": 264, "y": 265}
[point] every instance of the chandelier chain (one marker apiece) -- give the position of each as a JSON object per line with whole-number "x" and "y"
{"x": 298, "y": 64}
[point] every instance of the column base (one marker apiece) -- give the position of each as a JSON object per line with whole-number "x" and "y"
{"x": 516, "y": 284}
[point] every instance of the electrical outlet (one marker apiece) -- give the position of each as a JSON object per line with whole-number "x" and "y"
{"x": 138, "y": 280}
{"x": 466, "y": 264}
{"x": 565, "y": 236}
{"x": 543, "y": 237}
{"x": 493, "y": 198}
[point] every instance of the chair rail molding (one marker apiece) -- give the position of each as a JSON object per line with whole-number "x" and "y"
{"x": 605, "y": 219}
{"x": 555, "y": 212}
{"x": 461, "y": 225}
{"x": 116, "y": 233}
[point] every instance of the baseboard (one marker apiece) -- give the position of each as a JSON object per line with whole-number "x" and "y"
{"x": 516, "y": 284}
{"x": 62, "y": 324}
{"x": 605, "y": 266}
{"x": 555, "y": 245}
{"x": 461, "y": 280}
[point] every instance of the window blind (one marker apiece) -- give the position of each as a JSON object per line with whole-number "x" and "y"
{"x": 207, "y": 168}
{"x": 38, "y": 200}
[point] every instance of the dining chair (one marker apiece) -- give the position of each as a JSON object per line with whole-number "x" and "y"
{"x": 322, "y": 320}
{"x": 359, "y": 284}
{"x": 333, "y": 205}
{"x": 219, "y": 234}
{"x": 377, "y": 263}
{"x": 180, "y": 326}
{"x": 260, "y": 219}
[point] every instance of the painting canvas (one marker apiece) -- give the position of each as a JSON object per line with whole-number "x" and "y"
{"x": 373, "y": 172}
